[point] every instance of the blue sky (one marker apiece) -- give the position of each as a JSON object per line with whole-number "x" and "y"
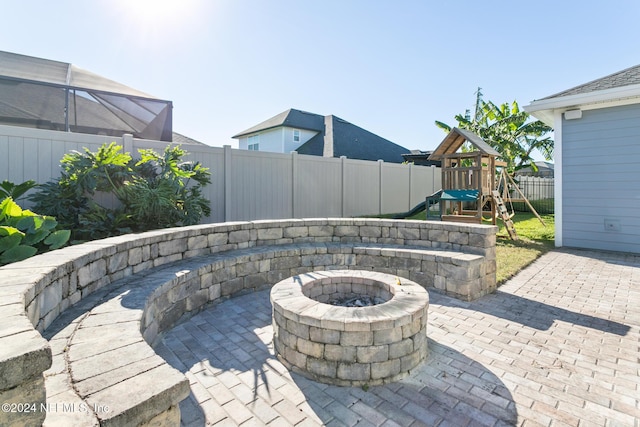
{"x": 391, "y": 67}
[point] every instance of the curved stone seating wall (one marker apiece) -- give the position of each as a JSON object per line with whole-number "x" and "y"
{"x": 456, "y": 258}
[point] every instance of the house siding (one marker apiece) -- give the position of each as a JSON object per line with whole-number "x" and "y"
{"x": 601, "y": 197}
{"x": 278, "y": 140}
{"x": 291, "y": 145}
{"x": 270, "y": 141}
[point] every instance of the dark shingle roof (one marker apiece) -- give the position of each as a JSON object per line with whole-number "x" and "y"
{"x": 355, "y": 143}
{"x": 291, "y": 118}
{"x": 178, "y": 138}
{"x": 627, "y": 77}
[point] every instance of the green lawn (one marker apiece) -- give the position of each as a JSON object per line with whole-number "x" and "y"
{"x": 534, "y": 240}
{"x": 512, "y": 256}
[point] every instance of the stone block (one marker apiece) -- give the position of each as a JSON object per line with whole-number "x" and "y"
{"x": 197, "y": 242}
{"x": 169, "y": 318}
{"x": 239, "y": 236}
{"x": 168, "y": 418}
{"x": 400, "y": 349}
{"x": 310, "y": 348}
{"x": 298, "y": 329}
{"x": 321, "y": 367}
{"x": 316, "y": 260}
{"x": 256, "y": 281}
{"x": 320, "y": 231}
{"x": 223, "y": 274}
{"x": 247, "y": 268}
{"x": 410, "y": 361}
{"x": 459, "y": 238}
{"x": 217, "y": 239}
{"x": 91, "y": 272}
{"x": 374, "y": 353}
{"x": 458, "y": 272}
{"x": 214, "y": 292}
{"x": 285, "y": 262}
{"x": 356, "y": 338}
{"x": 25, "y": 356}
{"x": 412, "y": 328}
{"x": 49, "y": 298}
{"x": 172, "y": 247}
{"x": 117, "y": 262}
{"x": 295, "y": 357}
{"x": 354, "y": 371}
{"x": 387, "y": 336}
{"x": 340, "y": 353}
{"x": 325, "y": 336}
{"x": 31, "y": 392}
{"x": 270, "y": 233}
{"x": 232, "y": 286}
{"x": 370, "y": 231}
{"x": 295, "y": 232}
{"x": 420, "y": 340}
{"x": 385, "y": 369}
{"x": 347, "y": 231}
{"x": 438, "y": 236}
{"x": 343, "y": 259}
{"x": 197, "y": 300}
{"x": 408, "y": 233}
{"x": 371, "y": 261}
{"x": 405, "y": 263}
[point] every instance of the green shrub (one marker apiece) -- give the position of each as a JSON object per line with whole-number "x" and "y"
{"x": 157, "y": 191}
{"x": 24, "y": 233}
{"x": 9, "y": 189}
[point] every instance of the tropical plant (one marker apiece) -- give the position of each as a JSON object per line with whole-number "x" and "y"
{"x": 23, "y": 233}
{"x": 156, "y": 191}
{"x": 9, "y": 189}
{"x": 509, "y": 130}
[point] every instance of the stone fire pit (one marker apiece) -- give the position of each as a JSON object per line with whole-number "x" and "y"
{"x": 350, "y": 346}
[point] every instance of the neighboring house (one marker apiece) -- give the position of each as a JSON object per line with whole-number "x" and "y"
{"x": 545, "y": 170}
{"x": 45, "y": 94}
{"x": 313, "y": 134}
{"x": 597, "y": 155}
{"x": 419, "y": 157}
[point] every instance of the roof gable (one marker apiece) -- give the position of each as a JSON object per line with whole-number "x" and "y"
{"x": 454, "y": 140}
{"x": 290, "y": 118}
{"x": 353, "y": 142}
{"x": 626, "y": 77}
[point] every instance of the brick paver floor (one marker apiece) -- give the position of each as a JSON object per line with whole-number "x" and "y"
{"x": 557, "y": 345}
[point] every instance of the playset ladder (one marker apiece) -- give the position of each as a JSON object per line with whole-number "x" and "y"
{"x": 502, "y": 211}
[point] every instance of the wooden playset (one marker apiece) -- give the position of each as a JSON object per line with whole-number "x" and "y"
{"x": 471, "y": 185}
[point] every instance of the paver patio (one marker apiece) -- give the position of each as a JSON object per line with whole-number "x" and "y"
{"x": 557, "y": 345}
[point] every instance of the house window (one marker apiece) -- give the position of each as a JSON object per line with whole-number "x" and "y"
{"x": 296, "y": 135}
{"x": 253, "y": 143}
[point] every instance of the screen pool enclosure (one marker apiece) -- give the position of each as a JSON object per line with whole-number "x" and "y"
{"x": 44, "y": 94}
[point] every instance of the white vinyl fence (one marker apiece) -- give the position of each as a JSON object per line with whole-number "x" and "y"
{"x": 246, "y": 185}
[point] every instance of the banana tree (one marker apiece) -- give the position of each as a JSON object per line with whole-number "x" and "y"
{"x": 510, "y": 131}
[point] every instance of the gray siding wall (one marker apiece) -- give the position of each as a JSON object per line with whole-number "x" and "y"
{"x": 601, "y": 179}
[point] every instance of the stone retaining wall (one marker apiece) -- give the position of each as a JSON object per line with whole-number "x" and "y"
{"x": 35, "y": 291}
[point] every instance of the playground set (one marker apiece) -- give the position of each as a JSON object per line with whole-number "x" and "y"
{"x": 474, "y": 183}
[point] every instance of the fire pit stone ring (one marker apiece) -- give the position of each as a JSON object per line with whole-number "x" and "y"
{"x": 350, "y": 345}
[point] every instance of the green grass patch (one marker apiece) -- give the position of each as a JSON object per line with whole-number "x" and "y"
{"x": 534, "y": 239}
